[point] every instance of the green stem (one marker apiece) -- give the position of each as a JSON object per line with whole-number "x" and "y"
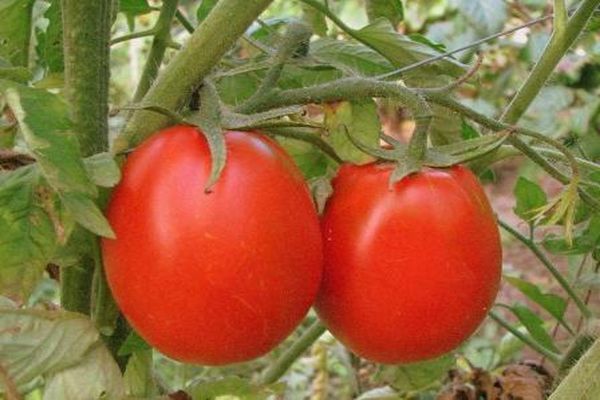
{"x": 209, "y": 42}
{"x": 184, "y": 22}
{"x": 296, "y": 34}
{"x": 585, "y": 311}
{"x": 86, "y": 35}
{"x": 281, "y": 365}
{"x": 561, "y": 40}
{"x": 308, "y": 137}
{"x": 162, "y": 38}
{"x": 555, "y": 358}
{"x": 133, "y": 35}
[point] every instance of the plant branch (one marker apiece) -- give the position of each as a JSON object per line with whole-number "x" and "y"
{"x": 308, "y": 137}
{"x": 585, "y": 311}
{"x": 86, "y": 35}
{"x": 296, "y": 34}
{"x": 555, "y": 358}
{"x": 205, "y": 47}
{"x": 133, "y": 35}
{"x": 397, "y": 73}
{"x": 184, "y": 22}
{"x": 559, "y": 43}
{"x": 162, "y": 39}
{"x": 281, "y": 365}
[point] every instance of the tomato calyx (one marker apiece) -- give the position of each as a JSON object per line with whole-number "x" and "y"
{"x": 412, "y": 157}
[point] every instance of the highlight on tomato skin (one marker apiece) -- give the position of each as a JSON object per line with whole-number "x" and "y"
{"x": 212, "y": 278}
{"x": 410, "y": 272}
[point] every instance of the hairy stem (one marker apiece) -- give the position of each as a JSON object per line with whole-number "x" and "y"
{"x": 281, "y": 365}
{"x": 162, "y": 37}
{"x": 555, "y": 358}
{"x": 585, "y": 311}
{"x": 213, "y": 38}
{"x": 86, "y": 35}
{"x": 561, "y": 40}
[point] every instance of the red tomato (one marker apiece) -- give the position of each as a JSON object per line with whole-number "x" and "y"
{"x": 410, "y": 271}
{"x": 212, "y": 278}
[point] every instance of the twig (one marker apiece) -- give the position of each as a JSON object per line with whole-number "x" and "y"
{"x": 585, "y": 311}
{"x": 453, "y": 85}
{"x": 524, "y": 338}
{"x": 281, "y": 365}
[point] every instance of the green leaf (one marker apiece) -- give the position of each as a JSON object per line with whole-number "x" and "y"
{"x": 50, "y": 44}
{"x": 36, "y": 343}
{"x": 30, "y": 227}
{"x": 204, "y": 9}
{"x": 46, "y": 129}
{"x": 416, "y": 376}
{"x": 134, "y": 7}
{"x": 133, "y": 343}
{"x": 314, "y": 19}
{"x": 233, "y": 386}
{"x": 97, "y": 376}
{"x": 15, "y": 30}
{"x": 392, "y": 10}
{"x": 535, "y": 326}
{"x": 360, "y": 120}
{"x": 584, "y": 242}
{"x": 582, "y": 382}
{"x": 350, "y": 58}
{"x": 311, "y": 161}
{"x": 402, "y": 51}
{"x": 103, "y": 170}
{"x": 555, "y": 305}
{"x": 139, "y": 380}
{"x": 16, "y": 74}
{"x": 530, "y": 198}
{"x": 486, "y": 16}
{"x": 87, "y": 214}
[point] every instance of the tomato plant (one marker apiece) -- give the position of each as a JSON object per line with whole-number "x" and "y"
{"x": 215, "y": 277}
{"x": 410, "y": 270}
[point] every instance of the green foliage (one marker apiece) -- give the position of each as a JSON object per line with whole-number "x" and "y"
{"x": 530, "y": 199}
{"x": 32, "y": 224}
{"x": 582, "y": 382}
{"x": 63, "y": 348}
{"x": 392, "y": 10}
{"x": 15, "y": 31}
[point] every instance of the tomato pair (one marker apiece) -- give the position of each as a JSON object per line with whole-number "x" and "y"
{"x": 222, "y": 277}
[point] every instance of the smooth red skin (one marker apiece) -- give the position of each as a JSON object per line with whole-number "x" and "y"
{"x": 411, "y": 271}
{"x": 212, "y": 278}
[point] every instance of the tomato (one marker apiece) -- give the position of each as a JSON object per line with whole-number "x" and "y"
{"x": 410, "y": 270}
{"x": 220, "y": 277}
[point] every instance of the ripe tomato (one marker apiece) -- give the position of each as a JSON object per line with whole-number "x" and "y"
{"x": 212, "y": 278}
{"x": 411, "y": 270}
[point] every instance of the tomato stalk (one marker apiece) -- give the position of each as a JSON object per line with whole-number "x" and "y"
{"x": 563, "y": 36}
{"x": 213, "y": 38}
{"x": 296, "y": 35}
{"x": 555, "y": 358}
{"x": 86, "y": 30}
{"x": 585, "y": 311}
{"x": 283, "y": 363}
{"x": 162, "y": 37}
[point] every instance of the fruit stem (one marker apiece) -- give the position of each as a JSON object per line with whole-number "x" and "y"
{"x": 162, "y": 37}
{"x": 282, "y": 364}
{"x": 227, "y": 21}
